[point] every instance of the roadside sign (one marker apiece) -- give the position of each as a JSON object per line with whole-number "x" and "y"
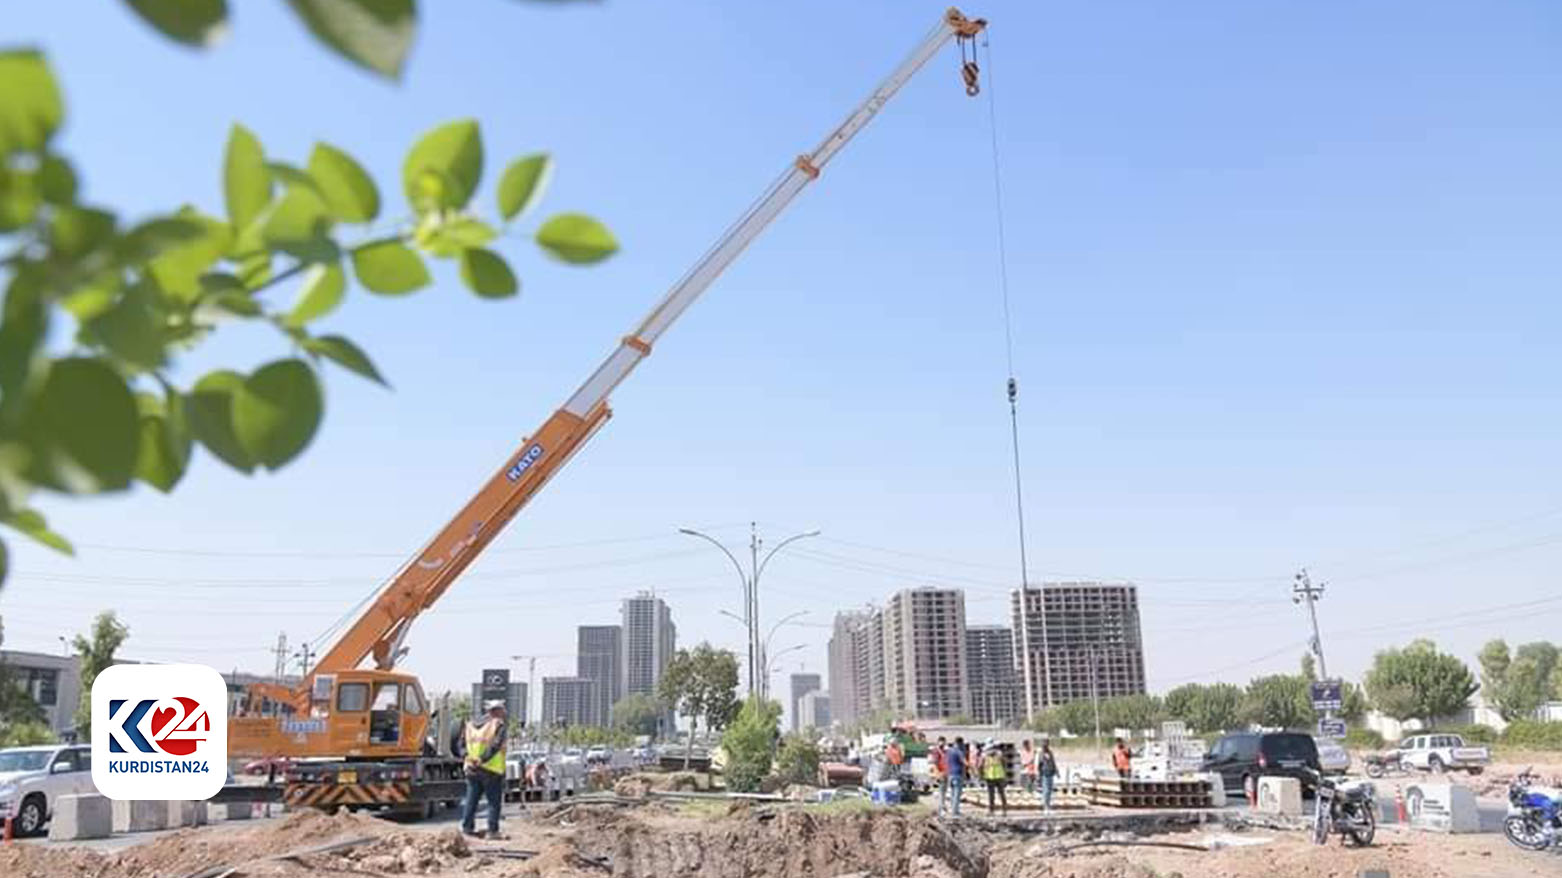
{"x": 1328, "y": 695}
{"x": 1331, "y": 727}
{"x": 496, "y": 685}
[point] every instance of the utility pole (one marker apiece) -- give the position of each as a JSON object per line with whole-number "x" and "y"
{"x": 306, "y": 657}
{"x": 755, "y": 649}
{"x": 280, "y": 651}
{"x": 531, "y": 685}
{"x": 1304, "y": 591}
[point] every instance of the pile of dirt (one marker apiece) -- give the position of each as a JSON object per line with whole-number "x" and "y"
{"x": 786, "y": 844}
{"x": 190, "y": 850}
{"x": 636, "y": 786}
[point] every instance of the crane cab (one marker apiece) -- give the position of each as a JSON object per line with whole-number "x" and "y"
{"x": 359, "y": 714}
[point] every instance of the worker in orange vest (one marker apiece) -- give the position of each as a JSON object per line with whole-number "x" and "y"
{"x": 1123, "y": 760}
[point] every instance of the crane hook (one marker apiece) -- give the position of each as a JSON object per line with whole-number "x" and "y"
{"x": 968, "y": 69}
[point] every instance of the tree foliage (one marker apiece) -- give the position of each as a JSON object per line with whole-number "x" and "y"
{"x": 1282, "y": 701}
{"x": 798, "y": 759}
{"x": 94, "y": 653}
{"x": 1418, "y": 682}
{"x": 1213, "y": 708}
{"x": 701, "y": 683}
{"x": 128, "y": 295}
{"x": 638, "y": 714}
{"x": 1518, "y": 684}
{"x": 750, "y": 744}
{"x": 18, "y": 710}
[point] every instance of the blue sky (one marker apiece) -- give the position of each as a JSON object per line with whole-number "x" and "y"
{"x": 1284, "y": 288}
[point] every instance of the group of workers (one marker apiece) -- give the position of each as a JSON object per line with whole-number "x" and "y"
{"x": 954, "y": 764}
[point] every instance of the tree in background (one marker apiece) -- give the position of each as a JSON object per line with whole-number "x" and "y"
{"x": 1309, "y": 667}
{"x": 750, "y": 744}
{"x": 638, "y": 714}
{"x": 1519, "y": 684}
{"x": 96, "y": 414}
{"x": 21, "y": 719}
{"x": 798, "y": 759}
{"x": 1131, "y": 712}
{"x": 1419, "y": 682}
{"x": 702, "y": 683}
{"x": 93, "y": 655}
{"x": 1281, "y": 701}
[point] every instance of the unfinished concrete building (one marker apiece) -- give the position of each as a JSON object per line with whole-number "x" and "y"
{"x": 856, "y": 671}
{"x": 649, "y": 640}
{"x": 801, "y": 684}
{"x": 813, "y": 710}
{"x": 995, "y": 685}
{"x": 599, "y": 657}
{"x": 924, "y": 653}
{"x": 566, "y": 701}
{"x": 1084, "y": 639}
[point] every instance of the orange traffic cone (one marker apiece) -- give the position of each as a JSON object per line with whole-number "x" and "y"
{"x": 1399, "y": 805}
{"x": 7, "y": 830}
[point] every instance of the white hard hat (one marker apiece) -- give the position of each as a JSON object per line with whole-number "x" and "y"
{"x": 494, "y": 704}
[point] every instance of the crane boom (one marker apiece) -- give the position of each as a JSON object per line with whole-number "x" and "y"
{"x": 381, "y": 630}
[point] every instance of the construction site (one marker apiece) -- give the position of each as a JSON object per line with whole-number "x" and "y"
{"x": 933, "y": 745}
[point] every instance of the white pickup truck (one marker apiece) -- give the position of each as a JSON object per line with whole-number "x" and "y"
{"x": 32, "y": 778}
{"x": 1440, "y": 753}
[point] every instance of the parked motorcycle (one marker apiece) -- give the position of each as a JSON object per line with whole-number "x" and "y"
{"x": 1534, "y": 813}
{"x": 1346, "y": 808}
{"x": 1378, "y": 764}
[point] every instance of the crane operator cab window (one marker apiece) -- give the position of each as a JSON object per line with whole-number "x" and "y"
{"x": 385, "y": 714}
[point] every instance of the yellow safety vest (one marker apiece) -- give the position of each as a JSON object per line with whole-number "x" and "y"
{"x": 478, "y": 737}
{"x": 993, "y": 767}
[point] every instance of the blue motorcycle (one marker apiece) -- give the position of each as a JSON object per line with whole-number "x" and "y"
{"x": 1534, "y": 813}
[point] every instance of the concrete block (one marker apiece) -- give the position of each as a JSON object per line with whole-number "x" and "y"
{"x": 81, "y": 817}
{"x": 140, "y": 815}
{"x": 1280, "y": 795}
{"x": 231, "y": 811}
{"x": 1217, "y": 789}
{"x": 185, "y": 813}
{"x": 1442, "y": 807}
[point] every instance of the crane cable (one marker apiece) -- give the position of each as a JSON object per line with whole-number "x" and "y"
{"x": 1013, "y": 385}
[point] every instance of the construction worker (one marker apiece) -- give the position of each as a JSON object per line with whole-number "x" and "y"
{"x": 1028, "y": 766}
{"x": 484, "y": 765}
{"x": 955, "y": 765}
{"x": 1123, "y": 760}
{"x": 935, "y": 769}
{"x": 996, "y": 774}
{"x": 1047, "y": 768}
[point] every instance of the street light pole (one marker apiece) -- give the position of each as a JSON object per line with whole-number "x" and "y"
{"x": 766, "y": 691}
{"x": 748, "y": 606}
{"x": 764, "y": 650}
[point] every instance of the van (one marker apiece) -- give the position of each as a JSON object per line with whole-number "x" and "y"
{"x": 1241, "y": 759}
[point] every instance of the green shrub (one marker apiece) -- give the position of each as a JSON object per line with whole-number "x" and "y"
{"x": 1363, "y": 739}
{"x": 750, "y": 743}
{"x": 1474, "y": 734}
{"x": 1533, "y": 735}
{"x": 25, "y": 734}
{"x": 798, "y": 761}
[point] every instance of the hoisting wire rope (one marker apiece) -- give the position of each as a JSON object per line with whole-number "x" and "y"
{"x": 1013, "y": 387}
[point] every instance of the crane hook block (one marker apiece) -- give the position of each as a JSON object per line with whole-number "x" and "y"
{"x": 972, "y": 76}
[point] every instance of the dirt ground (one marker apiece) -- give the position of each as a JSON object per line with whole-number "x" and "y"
{"x": 660, "y": 840}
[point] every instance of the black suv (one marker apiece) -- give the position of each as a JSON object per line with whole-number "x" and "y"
{"x": 1241, "y": 759}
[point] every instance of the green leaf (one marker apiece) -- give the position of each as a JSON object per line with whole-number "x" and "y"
{"x": 577, "y": 238}
{"x": 374, "y": 34}
{"x": 390, "y": 268}
{"x": 131, "y": 330}
{"x": 324, "y": 286}
{"x": 198, "y": 23}
{"x": 83, "y": 428}
{"x": 453, "y": 152}
{"x": 523, "y": 183}
{"x": 209, "y": 407}
{"x": 19, "y": 198}
{"x": 22, "y": 331}
{"x": 93, "y": 297}
{"x": 487, "y": 274}
{"x": 300, "y": 216}
{"x": 31, "y": 523}
{"x": 449, "y": 237}
{"x": 154, "y": 237}
{"x": 56, "y": 181}
{"x": 289, "y": 176}
{"x": 277, "y": 412}
{"x": 345, "y": 353}
{"x": 246, "y": 184}
{"x": 164, "y": 451}
{"x": 5, "y": 562}
{"x": 349, "y": 190}
{"x": 178, "y": 267}
{"x": 239, "y": 304}
{"x": 30, "y": 105}
{"x": 76, "y": 231}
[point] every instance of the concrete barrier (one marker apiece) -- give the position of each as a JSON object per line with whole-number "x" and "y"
{"x": 1442, "y": 807}
{"x": 230, "y": 811}
{"x": 185, "y": 813}
{"x": 1217, "y": 789}
{"x": 1280, "y": 795}
{"x": 81, "y": 817}
{"x": 140, "y": 815}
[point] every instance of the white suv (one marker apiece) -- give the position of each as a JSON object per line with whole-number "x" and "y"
{"x": 32, "y": 778}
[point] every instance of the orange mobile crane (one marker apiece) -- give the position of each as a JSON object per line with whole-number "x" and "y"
{"x": 362, "y": 730}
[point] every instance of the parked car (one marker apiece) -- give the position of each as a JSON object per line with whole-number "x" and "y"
{"x": 1440, "y": 753}
{"x": 1333, "y": 758}
{"x": 599, "y": 756}
{"x": 1241, "y": 759}
{"x": 33, "y": 778}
